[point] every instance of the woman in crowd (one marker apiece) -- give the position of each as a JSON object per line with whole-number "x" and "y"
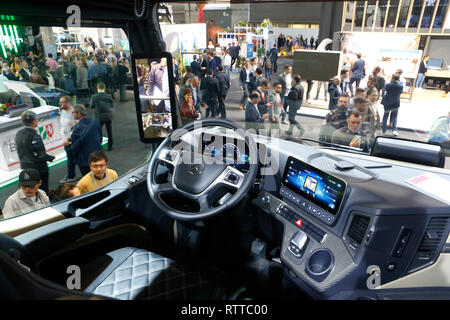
{"x": 188, "y": 113}
{"x": 375, "y": 126}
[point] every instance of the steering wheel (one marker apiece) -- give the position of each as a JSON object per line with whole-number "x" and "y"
{"x": 200, "y": 180}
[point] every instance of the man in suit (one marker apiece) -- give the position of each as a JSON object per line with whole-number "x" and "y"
{"x": 211, "y": 91}
{"x": 286, "y": 83}
{"x": 234, "y": 53}
{"x": 224, "y": 86}
{"x": 120, "y": 54}
{"x": 273, "y": 54}
{"x": 263, "y": 89}
{"x": 253, "y": 119}
{"x": 203, "y": 65}
{"x": 212, "y": 64}
{"x": 274, "y": 112}
{"x": 391, "y": 103}
{"x": 195, "y": 65}
{"x": 244, "y": 80}
{"x": 358, "y": 72}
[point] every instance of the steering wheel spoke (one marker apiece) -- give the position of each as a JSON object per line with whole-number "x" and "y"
{"x": 232, "y": 177}
{"x": 169, "y": 156}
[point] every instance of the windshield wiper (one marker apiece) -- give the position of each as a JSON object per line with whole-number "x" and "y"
{"x": 328, "y": 145}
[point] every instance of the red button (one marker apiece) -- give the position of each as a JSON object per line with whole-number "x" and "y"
{"x": 299, "y": 222}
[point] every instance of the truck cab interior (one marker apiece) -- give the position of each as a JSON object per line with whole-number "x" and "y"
{"x": 293, "y": 221}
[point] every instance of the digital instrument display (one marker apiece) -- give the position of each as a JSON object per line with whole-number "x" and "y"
{"x": 315, "y": 185}
{"x": 230, "y": 152}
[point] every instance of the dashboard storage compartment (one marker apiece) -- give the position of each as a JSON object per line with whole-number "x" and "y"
{"x": 319, "y": 264}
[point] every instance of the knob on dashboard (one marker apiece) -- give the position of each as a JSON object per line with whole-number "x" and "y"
{"x": 265, "y": 199}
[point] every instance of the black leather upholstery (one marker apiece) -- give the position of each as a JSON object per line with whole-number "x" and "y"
{"x": 139, "y": 274}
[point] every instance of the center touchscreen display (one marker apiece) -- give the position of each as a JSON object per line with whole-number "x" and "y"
{"x": 315, "y": 185}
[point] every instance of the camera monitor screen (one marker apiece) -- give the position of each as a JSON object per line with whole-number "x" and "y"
{"x": 155, "y": 97}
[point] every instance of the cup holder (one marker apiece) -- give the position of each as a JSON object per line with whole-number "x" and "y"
{"x": 319, "y": 264}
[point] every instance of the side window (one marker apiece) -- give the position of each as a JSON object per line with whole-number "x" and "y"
{"x": 67, "y": 115}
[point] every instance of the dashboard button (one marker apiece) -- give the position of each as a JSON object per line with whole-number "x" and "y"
{"x": 391, "y": 266}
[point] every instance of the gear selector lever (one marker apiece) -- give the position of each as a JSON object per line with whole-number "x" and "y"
{"x": 298, "y": 244}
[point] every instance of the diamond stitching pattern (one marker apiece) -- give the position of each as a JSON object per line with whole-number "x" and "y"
{"x": 142, "y": 269}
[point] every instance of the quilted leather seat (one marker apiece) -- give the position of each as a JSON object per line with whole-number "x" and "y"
{"x": 132, "y": 273}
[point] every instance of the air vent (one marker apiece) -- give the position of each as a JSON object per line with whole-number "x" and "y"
{"x": 429, "y": 246}
{"x": 358, "y": 228}
{"x": 433, "y": 235}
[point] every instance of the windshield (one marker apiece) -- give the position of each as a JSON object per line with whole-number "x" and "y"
{"x": 329, "y": 74}
{"x": 286, "y": 72}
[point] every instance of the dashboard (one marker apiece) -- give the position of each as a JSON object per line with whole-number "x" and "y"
{"x": 342, "y": 214}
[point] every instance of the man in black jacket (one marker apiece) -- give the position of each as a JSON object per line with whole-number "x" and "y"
{"x": 122, "y": 71}
{"x": 103, "y": 104}
{"x": 195, "y": 65}
{"x": 211, "y": 91}
{"x": 335, "y": 91}
{"x": 31, "y": 149}
{"x": 294, "y": 101}
{"x": 224, "y": 86}
{"x": 335, "y": 119}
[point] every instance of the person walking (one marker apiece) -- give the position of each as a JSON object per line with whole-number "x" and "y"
{"x": 267, "y": 64}
{"x": 358, "y": 72}
{"x": 226, "y": 61}
{"x": 211, "y": 92}
{"x": 274, "y": 58}
{"x": 253, "y": 119}
{"x": 196, "y": 68}
{"x": 224, "y": 86}
{"x": 67, "y": 122}
{"x": 294, "y": 101}
{"x": 391, "y": 103}
{"x": 245, "y": 77}
{"x": 85, "y": 138}
{"x": 234, "y": 53}
{"x": 380, "y": 82}
{"x": 274, "y": 113}
{"x": 103, "y": 104}
{"x": 286, "y": 82}
{"x": 31, "y": 148}
{"x": 212, "y": 64}
{"x": 122, "y": 79}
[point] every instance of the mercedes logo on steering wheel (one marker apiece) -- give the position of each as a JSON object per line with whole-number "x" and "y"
{"x": 196, "y": 169}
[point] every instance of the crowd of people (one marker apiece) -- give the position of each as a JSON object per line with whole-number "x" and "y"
{"x": 271, "y": 100}
{"x": 72, "y": 71}
{"x": 287, "y": 43}
{"x": 75, "y": 79}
